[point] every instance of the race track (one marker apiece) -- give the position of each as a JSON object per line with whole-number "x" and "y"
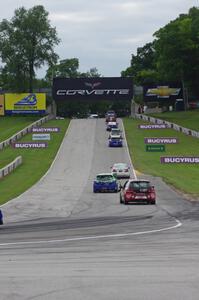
{"x": 62, "y": 241}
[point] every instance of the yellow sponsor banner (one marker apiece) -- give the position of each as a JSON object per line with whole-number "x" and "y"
{"x": 2, "y": 112}
{"x": 25, "y": 103}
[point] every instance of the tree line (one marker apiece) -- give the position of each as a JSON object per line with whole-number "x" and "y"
{"x": 28, "y": 40}
{"x": 173, "y": 55}
{"x": 27, "y": 43}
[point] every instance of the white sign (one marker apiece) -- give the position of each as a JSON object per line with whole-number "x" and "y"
{"x": 39, "y": 136}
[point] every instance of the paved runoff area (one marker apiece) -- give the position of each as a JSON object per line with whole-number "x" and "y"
{"x": 62, "y": 241}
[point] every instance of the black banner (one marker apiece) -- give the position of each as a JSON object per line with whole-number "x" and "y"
{"x": 105, "y": 88}
{"x": 163, "y": 92}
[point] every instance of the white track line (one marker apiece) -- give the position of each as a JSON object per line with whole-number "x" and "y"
{"x": 134, "y": 173}
{"x": 119, "y": 235}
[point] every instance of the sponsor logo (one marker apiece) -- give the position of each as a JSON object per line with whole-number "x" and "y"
{"x": 179, "y": 160}
{"x": 45, "y": 129}
{"x": 161, "y": 140}
{"x": 92, "y": 85}
{"x": 27, "y": 101}
{"x": 155, "y": 148}
{"x": 156, "y": 126}
{"x": 163, "y": 91}
{"x": 96, "y": 92}
{"x": 30, "y": 145}
{"x": 41, "y": 136}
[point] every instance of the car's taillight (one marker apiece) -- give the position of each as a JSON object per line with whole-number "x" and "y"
{"x": 151, "y": 193}
{"x": 126, "y": 170}
{"x": 129, "y": 194}
{"x": 114, "y": 170}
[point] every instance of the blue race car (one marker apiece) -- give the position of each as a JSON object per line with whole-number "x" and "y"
{"x": 115, "y": 142}
{"x": 105, "y": 182}
{"x": 1, "y": 217}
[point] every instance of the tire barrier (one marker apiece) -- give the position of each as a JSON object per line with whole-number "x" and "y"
{"x": 174, "y": 126}
{"x": 10, "y": 167}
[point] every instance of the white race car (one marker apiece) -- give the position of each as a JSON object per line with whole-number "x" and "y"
{"x": 121, "y": 170}
{"x": 115, "y": 133}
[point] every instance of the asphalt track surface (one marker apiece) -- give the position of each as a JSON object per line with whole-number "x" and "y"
{"x": 62, "y": 241}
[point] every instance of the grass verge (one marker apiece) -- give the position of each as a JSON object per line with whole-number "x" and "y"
{"x": 184, "y": 177}
{"x": 35, "y": 164}
{"x": 188, "y": 119}
{"x": 12, "y": 124}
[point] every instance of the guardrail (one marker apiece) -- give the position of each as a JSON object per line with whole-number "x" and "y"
{"x": 174, "y": 126}
{"x": 10, "y": 167}
{"x": 24, "y": 131}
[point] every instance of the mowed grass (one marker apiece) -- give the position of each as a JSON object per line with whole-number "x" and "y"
{"x": 182, "y": 176}
{"x": 188, "y": 119}
{"x": 9, "y": 125}
{"x": 35, "y": 164}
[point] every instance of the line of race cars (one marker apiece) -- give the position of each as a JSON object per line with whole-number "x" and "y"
{"x": 115, "y": 136}
{"x": 133, "y": 190}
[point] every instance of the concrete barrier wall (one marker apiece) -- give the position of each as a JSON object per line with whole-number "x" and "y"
{"x": 23, "y": 132}
{"x": 174, "y": 126}
{"x": 10, "y": 167}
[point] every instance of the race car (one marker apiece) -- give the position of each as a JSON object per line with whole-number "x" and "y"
{"x": 137, "y": 191}
{"x": 110, "y": 116}
{"x": 111, "y": 125}
{"x": 115, "y": 142}
{"x": 1, "y": 217}
{"x": 93, "y": 116}
{"x": 105, "y": 182}
{"x": 115, "y": 132}
{"x": 121, "y": 170}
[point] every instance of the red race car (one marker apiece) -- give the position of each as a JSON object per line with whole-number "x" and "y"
{"x": 137, "y": 191}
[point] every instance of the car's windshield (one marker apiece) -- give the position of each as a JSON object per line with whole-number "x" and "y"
{"x": 105, "y": 178}
{"x": 110, "y": 112}
{"x": 120, "y": 166}
{"x": 137, "y": 185}
{"x": 115, "y": 131}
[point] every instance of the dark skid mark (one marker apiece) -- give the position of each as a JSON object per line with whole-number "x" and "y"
{"x": 43, "y": 225}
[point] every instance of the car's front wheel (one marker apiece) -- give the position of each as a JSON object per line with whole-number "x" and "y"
{"x": 153, "y": 202}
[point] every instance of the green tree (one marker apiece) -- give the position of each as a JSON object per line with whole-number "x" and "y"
{"x": 177, "y": 49}
{"x": 143, "y": 61}
{"x": 26, "y": 44}
{"x": 65, "y": 68}
{"x": 93, "y": 72}
{"x": 68, "y": 68}
{"x": 147, "y": 77}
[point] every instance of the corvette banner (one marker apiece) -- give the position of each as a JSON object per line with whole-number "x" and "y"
{"x": 102, "y": 88}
